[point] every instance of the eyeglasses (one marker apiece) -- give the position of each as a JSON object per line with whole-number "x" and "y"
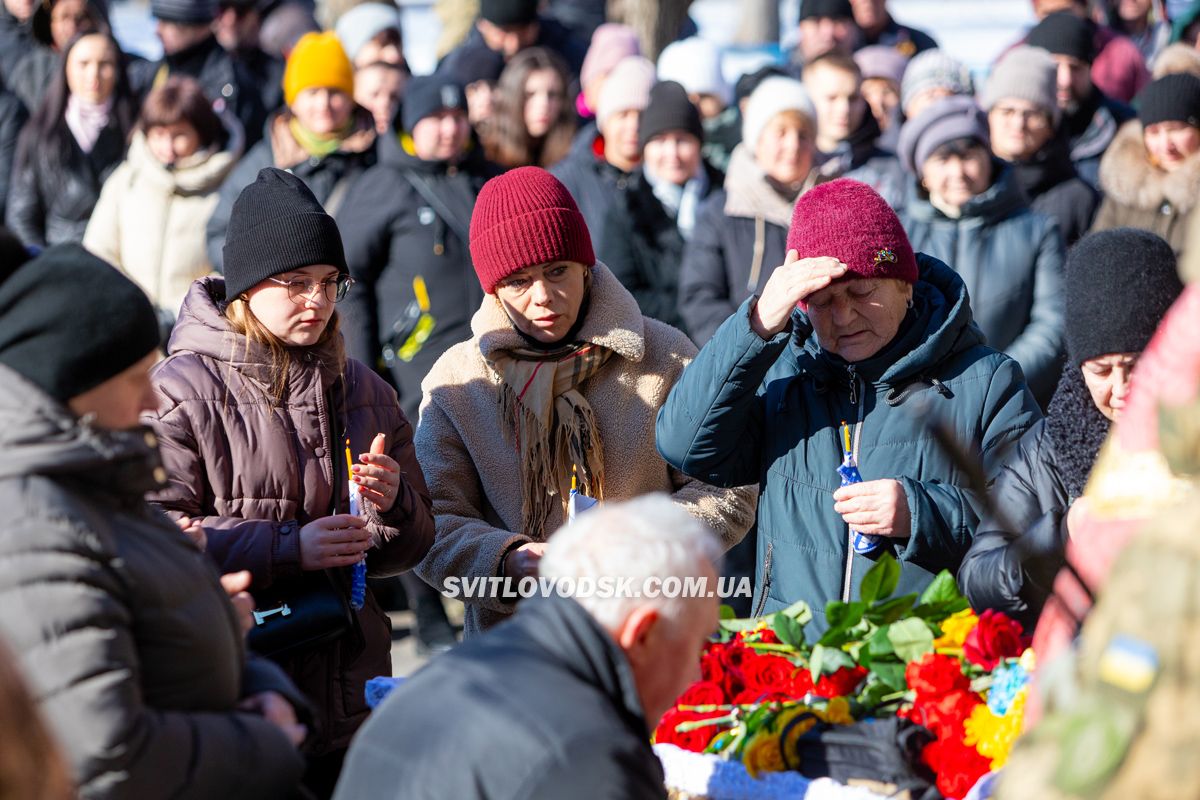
{"x": 1033, "y": 119}
{"x": 303, "y": 289}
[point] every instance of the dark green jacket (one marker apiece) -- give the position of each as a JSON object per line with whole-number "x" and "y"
{"x": 751, "y": 410}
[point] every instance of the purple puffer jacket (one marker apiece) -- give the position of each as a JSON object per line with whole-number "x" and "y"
{"x": 252, "y": 474}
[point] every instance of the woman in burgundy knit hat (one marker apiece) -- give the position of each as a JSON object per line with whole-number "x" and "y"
{"x": 855, "y": 344}
{"x": 561, "y": 380}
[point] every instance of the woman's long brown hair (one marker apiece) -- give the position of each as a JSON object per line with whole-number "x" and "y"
{"x": 31, "y": 765}
{"x": 506, "y": 140}
{"x": 245, "y": 324}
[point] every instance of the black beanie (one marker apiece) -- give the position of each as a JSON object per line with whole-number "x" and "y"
{"x": 669, "y": 110}
{"x": 746, "y": 84}
{"x": 475, "y": 64}
{"x": 1120, "y": 283}
{"x": 429, "y": 94}
{"x": 1171, "y": 98}
{"x": 184, "y": 12}
{"x": 509, "y": 12}
{"x": 276, "y": 226}
{"x": 1065, "y": 34}
{"x": 837, "y": 9}
{"x": 69, "y": 321}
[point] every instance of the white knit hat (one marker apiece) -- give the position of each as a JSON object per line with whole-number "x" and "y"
{"x": 363, "y": 23}
{"x": 627, "y": 86}
{"x": 695, "y": 64}
{"x": 774, "y": 96}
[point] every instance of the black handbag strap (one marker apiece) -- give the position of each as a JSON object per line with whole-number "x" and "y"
{"x": 461, "y": 229}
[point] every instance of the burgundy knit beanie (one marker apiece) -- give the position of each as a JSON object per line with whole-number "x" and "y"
{"x": 848, "y": 220}
{"x": 523, "y": 218}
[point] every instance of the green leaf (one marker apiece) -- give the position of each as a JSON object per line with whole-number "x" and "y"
{"x": 939, "y": 611}
{"x": 942, "y": 589}
{"x": 826, "y": 660}
{"x": 727, "y": 612}
{"x": 799, "y": 611}
{"x": 738, "y": 625}
{"x": 880, "y": 580}
{"x": 888, "y": 611}
{"x": 911, "y": 638}
{"x": 841, "y": 616}
{"x": 789, "y": 631}
{"x": 879, "y": 645}
{"x": 890, "y": 674}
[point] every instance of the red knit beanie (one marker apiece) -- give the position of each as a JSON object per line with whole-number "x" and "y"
{"x": 848, "y": 220}
{"x": 523, "y": 218}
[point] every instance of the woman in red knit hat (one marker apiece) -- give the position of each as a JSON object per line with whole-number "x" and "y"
{"x": 562, "y": 379}
{"x": 822, "y": 389}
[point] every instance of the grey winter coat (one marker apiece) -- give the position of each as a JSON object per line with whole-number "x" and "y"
{"x": 1011, "y": 259}
{"x": 253, "y": 474}
{"x": 126, "y": 637}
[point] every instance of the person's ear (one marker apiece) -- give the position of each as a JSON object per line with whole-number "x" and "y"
{"x": 638, "y": 633}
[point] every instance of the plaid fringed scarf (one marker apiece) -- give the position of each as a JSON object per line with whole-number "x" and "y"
{"x": 551, "y": 424}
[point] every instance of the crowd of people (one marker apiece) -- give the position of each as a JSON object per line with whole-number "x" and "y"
{"x": 281, "y": 321}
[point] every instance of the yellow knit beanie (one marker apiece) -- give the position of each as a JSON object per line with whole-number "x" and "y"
{"x": 317, "y": 60}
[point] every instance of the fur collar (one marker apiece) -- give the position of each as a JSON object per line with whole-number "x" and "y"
{"x": 1128, "y": 177}
{"x": 613, "y": 320}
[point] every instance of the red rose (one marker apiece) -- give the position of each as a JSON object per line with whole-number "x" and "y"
{"x": 714, "y": 670}
{"x": 695, "y": 740}
{"x": 958, "y": 767}
{"x": 753, "y": 696}
{"x": 702, "y": 693}
{"x": 841, "y": 683}
{"x": 767, "y": 673}
{"x": 995, "y": 637}
{"x": 802, "y": 684}
{"x": 766, "y": 636}
{"x": 945, "y": 715}
{"x": 936, "y": 675}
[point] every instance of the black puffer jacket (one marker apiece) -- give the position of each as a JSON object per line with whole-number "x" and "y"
{"x": 50, "y": 198}
{"x": 1021, "y": 545}
{"x": 458, "y": 729}
{"x": 16, "y": 38}
{"x": 1054, "y": 188}
{"x": 225, "y": 80}
{"x": 595, "y": 184}
{"x": 12, "y": 119}
{"x": 278, "y": 148}
{"x": 127, "y": 639}
{"x": 392, "y": 235}
{"x": 644, "y": 247}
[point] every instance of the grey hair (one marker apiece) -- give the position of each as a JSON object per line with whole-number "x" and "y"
{"x": 645, "y": 540}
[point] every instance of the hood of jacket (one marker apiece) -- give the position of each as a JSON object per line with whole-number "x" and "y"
{"x": 393, "y": 151}
{"x": 1046, "y": 169}
{"x": 40, "y": 436}
{"x": 749, "y": 194}
{"x": 202, "y": 329}
{"x": 994, "y": 204}
{"x": 1128, "y": 177}
{"x": 938, "y": 327}
{"x": 200, "y": 174}
{"x": 612, "y": 319}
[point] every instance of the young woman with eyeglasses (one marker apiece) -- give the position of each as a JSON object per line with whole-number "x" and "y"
{"x": 257, "y": 404}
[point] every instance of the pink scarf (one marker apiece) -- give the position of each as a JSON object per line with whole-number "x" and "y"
{"x": 86, "y": 120}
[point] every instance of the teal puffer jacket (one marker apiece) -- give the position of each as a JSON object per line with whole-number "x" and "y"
{"x": 769, "y": 411}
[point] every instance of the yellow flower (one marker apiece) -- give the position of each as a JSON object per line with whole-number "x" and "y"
{"x": 837, "y": 712}
{"x": 762, "y": 753}
{"x": 994, "y": 736}
{"x": 955, "y": 630}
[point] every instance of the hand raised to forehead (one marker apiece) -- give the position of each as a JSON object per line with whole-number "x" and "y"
{"x": 793, "y": 281}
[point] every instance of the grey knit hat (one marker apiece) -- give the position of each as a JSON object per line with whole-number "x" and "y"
{"x": 1024, "y": 73}
{"x": 933, "y": 69}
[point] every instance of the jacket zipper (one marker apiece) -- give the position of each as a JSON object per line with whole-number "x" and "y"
{"x": 857, "y": 434}
{"x": 766, "y": 586}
